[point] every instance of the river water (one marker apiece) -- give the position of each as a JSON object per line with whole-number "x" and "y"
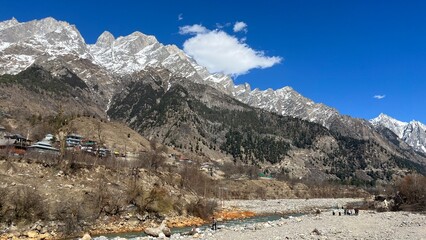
{"x": 182, "y": 230}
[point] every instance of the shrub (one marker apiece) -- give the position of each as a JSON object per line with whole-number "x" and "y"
{"x": 104, "y": 200}
{"x": 25, "y": 204}
{"x": 3, "y": 198}
{"x": 202, "y": 208}
{"x": 238, "y": 169}
{"x": 159, "y": 201}
{"x": 136, "y": 195}
{"x": 154, "y": 158}
{"x": 71, "y": 214}
{"x": 196, "y": 181}
{"x": 412, "y": 191}
{"x": 261, "y": 193}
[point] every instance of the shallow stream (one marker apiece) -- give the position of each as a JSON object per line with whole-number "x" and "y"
{"x": 182, "y": 230}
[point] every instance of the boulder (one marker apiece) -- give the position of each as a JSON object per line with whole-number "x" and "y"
{"x": 43, "y": 230}
{"x": 161, "y": 235}
{"x": 44, "y": 236}
{"x": 162, "y": 229}
{"x": 176, "y": 236}
{"x": 133, "y": 222}
{"x": 385, "y": 205}
{"x": 32, "y": 234}
{"x": 167, "y": 231}
{"x": 86, "y": 236}
{"x": 38, "y": 228}
{"x": 316, "y": 232}
{"x": 258, "y": 226}
{"x": 155, "y": 232}
{"x": 60, "y": 173}
{"x": 266, "y": 225}
{"x": 142, "y": 218}
{"x": 194, "y": 230}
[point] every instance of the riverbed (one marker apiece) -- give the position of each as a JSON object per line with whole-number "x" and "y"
{"x": 309, "y": 225}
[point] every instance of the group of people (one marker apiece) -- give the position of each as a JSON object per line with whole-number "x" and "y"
{"x": 346, "y": 211}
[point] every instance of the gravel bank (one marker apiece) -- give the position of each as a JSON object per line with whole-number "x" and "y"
{"x": 367, "y": 225}
{"x": 289, "y": 205}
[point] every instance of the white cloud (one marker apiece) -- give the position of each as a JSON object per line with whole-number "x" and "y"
{"x": 240, "y": 26}
{"x": 192, "y": 29}
{"x": 379, "y": 96}
{"x": 220, "y": 52}
{"x": 220, "y": 26}
{"x": 180, "y": 16}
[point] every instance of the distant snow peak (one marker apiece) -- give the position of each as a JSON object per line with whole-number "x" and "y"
{"x": 8, "y": 23}
{"x": 105, "y": 40}
{"x": 413, "y": 133}
{"x": 22, "y": 44}
{"x": 394, "y": 125}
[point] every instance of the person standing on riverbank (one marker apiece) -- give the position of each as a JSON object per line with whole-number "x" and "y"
{"x": 214, "y": 224}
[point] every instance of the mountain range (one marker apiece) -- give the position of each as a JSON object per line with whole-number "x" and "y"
{"x": 48, "y": 40}
{"x": 160, "y": 91}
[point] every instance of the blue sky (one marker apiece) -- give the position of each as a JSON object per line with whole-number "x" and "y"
{"x": 340, "y": 53}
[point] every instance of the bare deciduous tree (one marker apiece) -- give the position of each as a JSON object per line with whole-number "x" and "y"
{"x": 154, "y": 158}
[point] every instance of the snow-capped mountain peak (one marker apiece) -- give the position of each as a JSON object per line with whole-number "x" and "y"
{"x": 21, "y": 44}
{"x": 8, "y": 23}
{"x": 413, "y": 133}
{"x": 394, "y": 125}
{"x": 105, "y": 40}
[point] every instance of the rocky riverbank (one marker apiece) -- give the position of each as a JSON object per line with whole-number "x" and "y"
{"x": 367, "y": 225}
{"x": 285, "y": 206}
